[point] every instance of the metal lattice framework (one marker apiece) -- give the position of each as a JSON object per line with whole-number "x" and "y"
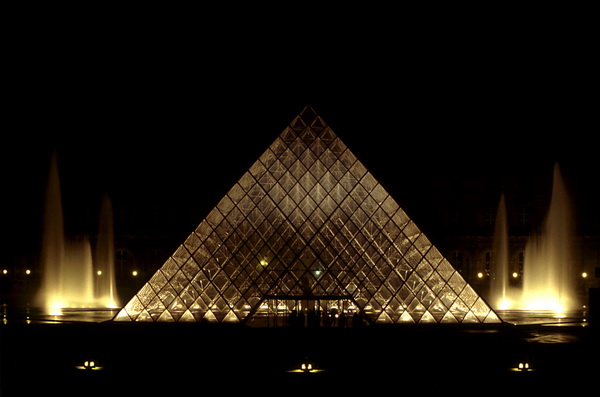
{"x": 307, "y": 220}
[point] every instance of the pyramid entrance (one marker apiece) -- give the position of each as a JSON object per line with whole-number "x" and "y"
{"x": 306, "y": 311}
{"x": 307, "y": 227}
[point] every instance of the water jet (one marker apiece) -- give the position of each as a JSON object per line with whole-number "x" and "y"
{"x": 548, "y": 282}
{"x": 68, "y": 268}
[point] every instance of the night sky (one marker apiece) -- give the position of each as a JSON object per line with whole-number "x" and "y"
{"x": 166, "y": 117}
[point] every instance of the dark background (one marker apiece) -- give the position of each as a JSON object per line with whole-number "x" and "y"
{"x": 165, "y": 109}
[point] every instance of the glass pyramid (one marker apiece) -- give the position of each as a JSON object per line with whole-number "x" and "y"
{"x": 307, "y": 226}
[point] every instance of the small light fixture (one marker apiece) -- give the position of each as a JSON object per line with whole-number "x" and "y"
{"x": 523, "y": 366}
{"x": 264, "y": 263}
{"x": 479, "y": 275}
{"x": 584, "y": 275}
{"x": 134, "y": 273}
{"x": 515, "y": 275}
{"x": 99, "y": 272}
{"x": 28, "y": 272}
{"x": 89, "y": 365}
{"x": 307, "y": 367}
{"x": 5, "y": 271}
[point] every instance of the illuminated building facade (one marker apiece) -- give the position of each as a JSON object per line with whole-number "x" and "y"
{"x": 307, "y": 229}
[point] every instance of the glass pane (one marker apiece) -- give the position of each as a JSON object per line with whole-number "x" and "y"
{"x": 180, "y": 256}
{"x": 347, "y": 158}
{"x": 299, "y": 146}
{"x": 337, "y": 147}
{"x": 317, "y": 193}
{"x": 267, "y": 181}
{"x": 268, "y": 158}
{"x": 358, "y": 170}
{"x": 190, "y": 268}
{"x": 287, "y": 181}
{"x": 297, "y": 193}
{"x": 134, "y": 307}
{"x": 318, "y": 169}
{"x": 146, "y": 294}
{"x": 192, "y": 242}
{"x": 328, "y": 158}
{"x": 256, "y": 193}
{"x": 328, "y": 181}
{"x": 169, "y": 268}
{"x": 287, "y": 158}
{"x": 247, "y": 181}
{"x": 368, "y": 182}
{"x": 278, "y": 147}
{"x": 298, "y": 170}
{"x": 457, "y": 283}
{"x": 257, "y": 169}
{"x": 308, "y": 158}
{"x": 359, "y": 193}
{"x": 348, "y": 182}
{"x": 178, "y": 282}
{"x": 318, "y": 147}
{"x": 236, "y": 193}
{"x": 277, "y": 169}
{"x": 400, "y": 218}
{"x": 338, "y": 170}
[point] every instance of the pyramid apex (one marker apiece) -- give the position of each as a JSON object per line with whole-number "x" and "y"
{"x": 308, "y": 117}
{"x": 308, "y": 114}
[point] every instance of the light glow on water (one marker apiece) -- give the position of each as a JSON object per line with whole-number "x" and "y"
{"x": 56, "y": 309}
{"x": 543, "y": 303}
{"x": 504, "y": 304}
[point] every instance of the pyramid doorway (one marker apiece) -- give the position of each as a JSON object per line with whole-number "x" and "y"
{"x": 307, "y": 227}
{"x": 307, "y": 312}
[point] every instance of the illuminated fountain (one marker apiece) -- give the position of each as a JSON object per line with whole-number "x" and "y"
{"x": 499, "y": 284}
{"x": 548, "y": 280}
{"x": 105, "y": 289}
{"x": 70, "y": 278}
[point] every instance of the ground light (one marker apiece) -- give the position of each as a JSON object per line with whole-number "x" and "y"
{"x": 90, "y": 365}
{"x": 306, "y": 367}
{"x": 522, "y": 366}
